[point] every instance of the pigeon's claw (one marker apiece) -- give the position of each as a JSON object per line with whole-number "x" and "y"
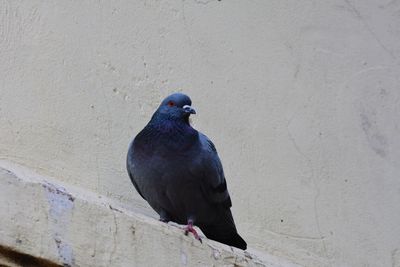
{"x": 189, "y": 228}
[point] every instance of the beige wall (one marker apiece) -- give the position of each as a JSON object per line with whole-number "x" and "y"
{"x": 301, "y": 99}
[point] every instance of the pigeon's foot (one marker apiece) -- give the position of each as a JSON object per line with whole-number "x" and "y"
{"x": 189, "y": 228}
{"x": 164, "y": 217}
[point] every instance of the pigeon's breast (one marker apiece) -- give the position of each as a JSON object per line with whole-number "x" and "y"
{"x": 158, "y": 168}
{"x": 170, "y": 183}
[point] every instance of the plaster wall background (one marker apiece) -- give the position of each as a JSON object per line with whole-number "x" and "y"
{"x": 301, "y": 99}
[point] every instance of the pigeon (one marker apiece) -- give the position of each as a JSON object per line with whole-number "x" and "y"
{"x": 176, "y": 169}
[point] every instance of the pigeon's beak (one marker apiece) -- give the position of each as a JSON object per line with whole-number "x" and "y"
{"x": 189, "y": 109}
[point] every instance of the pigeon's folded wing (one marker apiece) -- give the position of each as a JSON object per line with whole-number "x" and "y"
{"x": 212, "y": 181}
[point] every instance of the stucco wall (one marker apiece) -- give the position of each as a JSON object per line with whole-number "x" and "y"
{"x": 52, "y": 224}
{"x": 301, "y": 99}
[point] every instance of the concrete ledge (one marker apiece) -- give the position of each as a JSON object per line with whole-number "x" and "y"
{"x": 46, "y": 223}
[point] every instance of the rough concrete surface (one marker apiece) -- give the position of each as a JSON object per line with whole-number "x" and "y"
{"x": 300, "y": 97}
{"x": 48, "y": 224}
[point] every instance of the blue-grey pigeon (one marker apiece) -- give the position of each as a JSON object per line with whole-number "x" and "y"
{"x": 176, "y": 169}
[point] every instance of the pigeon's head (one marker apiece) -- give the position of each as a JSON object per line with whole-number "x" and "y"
{"x": 176, "y": 107}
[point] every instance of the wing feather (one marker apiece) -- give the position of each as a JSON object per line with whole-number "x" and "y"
{"x": 213, "y": 181}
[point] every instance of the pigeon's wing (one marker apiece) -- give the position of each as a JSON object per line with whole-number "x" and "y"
{"x": 213, "y": 182}
{"x": 129, "y": 167}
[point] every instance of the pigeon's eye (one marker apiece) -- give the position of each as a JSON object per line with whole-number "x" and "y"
{"x": 171, "y": 104}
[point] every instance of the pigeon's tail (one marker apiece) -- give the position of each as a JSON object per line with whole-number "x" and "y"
{"x": 235, "y": 240}
{"x": 231, "y": 238}
{"x": 224, "y": 231}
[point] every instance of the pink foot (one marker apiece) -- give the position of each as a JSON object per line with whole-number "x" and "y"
{"x": 189, "y": 228}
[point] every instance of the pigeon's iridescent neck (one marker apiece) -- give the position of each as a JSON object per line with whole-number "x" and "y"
{"x": 174, "y": 127}
{"x": 165, "y": 124}
{"x": 166, "y": 137}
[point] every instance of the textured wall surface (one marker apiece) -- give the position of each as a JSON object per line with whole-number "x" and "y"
{"x": 301, "y": 98}
{"x": 52, "y": 224}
